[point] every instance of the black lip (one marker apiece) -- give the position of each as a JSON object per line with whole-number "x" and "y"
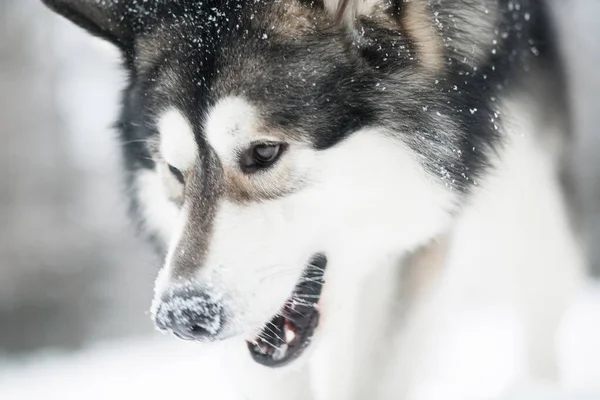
{"x": 299, "y": 313}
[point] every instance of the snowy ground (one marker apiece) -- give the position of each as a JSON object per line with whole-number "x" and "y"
{"x": 467, "y": 367}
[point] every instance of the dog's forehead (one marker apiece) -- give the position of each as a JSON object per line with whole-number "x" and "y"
{"x": 223, "y": 31}
{"x": 287, "y": 61}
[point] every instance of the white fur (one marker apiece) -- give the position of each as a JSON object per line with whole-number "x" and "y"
{"x": 512, "y": 253}
{"x": 160, "y": 213}
{"x": 366, "y": 202}
{"x": 516, "y": 242}
{"x": 385, "y": 203}
{"x": 177, "y": 144}
{"x": 163, "y": 280}
{"x": 349, "y": 356}
{"x": 231, "y": 125}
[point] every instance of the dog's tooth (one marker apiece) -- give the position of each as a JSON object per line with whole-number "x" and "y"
{"x": 290, "y": 335}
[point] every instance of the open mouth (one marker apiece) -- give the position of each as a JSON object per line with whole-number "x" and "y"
{"x": 284, "y": 338}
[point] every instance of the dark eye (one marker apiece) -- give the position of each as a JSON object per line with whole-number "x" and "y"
{"x": 177, "y": 173}
{"x": 261, "y": 155}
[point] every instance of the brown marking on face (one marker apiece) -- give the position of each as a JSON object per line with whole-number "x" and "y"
{"x": 428, "y": 43}
{"x": 203, "y": 192}
{"x": 269, "y": 184}
{"x": 423, "y": 269}
{"x": 241, "y": 187}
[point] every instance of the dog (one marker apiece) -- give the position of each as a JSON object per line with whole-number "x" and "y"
{"x": 310, "y": 169}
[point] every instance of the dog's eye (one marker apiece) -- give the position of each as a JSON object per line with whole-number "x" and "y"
{"x": 177, "y": 173}
{"x": 261, "y": 155}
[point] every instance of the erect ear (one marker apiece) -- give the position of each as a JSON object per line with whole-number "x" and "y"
{"x": 437, "y": 31}
{"x": 399, "y": 30}
{"x": 108, "y": 19}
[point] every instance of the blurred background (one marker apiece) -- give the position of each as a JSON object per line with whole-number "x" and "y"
{"x": 75, "y": 282}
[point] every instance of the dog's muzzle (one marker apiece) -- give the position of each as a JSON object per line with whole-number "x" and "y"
{"x": 191, "y": 313}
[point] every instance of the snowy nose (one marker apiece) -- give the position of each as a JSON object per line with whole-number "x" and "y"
{"x": 190, "y": 314}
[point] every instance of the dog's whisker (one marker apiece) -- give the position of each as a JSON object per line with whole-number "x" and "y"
{"x": 308, "y": 296}
{"x": 302, "y": 302}
{"x": 266, "y": 335}
{"x": 136, "y": 141}
{"x": 316, "y": 281}
{"x": 286, "y": 315}
{"x": 315, "y": 267}
{"x": 277, "y": 336}
{"x": 270, "y": 344}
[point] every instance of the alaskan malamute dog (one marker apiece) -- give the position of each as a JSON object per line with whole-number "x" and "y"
{"x": 307, "y": 165}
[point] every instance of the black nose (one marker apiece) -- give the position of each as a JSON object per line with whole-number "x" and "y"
{"x": 190, "y": 314}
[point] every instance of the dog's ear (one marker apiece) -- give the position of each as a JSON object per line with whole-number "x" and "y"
{"x": 435, "y": 32}
{"x": 107, "y": 19}
{"x": 396, "y": 30}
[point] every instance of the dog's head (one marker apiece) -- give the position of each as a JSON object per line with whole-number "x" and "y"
{"x": 275, "y": 145}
